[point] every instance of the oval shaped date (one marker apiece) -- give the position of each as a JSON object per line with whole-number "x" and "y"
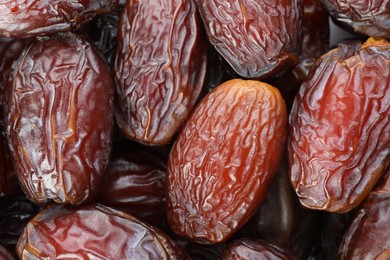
{"x": 340, "y": 131}
{"x": 60, "y": 143}
{"x": 223, "y": 160}
{"x": 160, "y": 68}
{"x": 259, "y": 39}
{"x": 370, "y": 17}
{"x": 93, "y": 232}
{"x": 23, "y": 18}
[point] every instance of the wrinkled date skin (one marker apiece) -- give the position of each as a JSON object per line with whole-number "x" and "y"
{"x": 160, "y": 68}
{"x": 258, "y": 39}
{"x": 23, "y": 18}
{"x": 368, "y": 234}
{"x": 15, "y": 212}
{"x": 254, "y": 249}
{"x": 93, "y": 232}
{"x": 223, "y": 160}
{"x": 60, "y": 143}
{"x": 370, "y": 17}
{"x": 136, "y": 182}
{"x": 103, "y": 30}
{"x": 340, "y": 130}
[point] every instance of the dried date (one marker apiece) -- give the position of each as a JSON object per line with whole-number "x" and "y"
{"x": 60, "y": 143}
{"x": 254, "y": 249}
{"x": 340, "y": 130}
{"x": 370, "y": 17}
{"x": 136, "y": 182}
{"x": 15, "y": 212}
{"x": 259, "y": 39}
{"x": 368, "y": 235}
{"x": 160, "y": 68}
{"x": 223, "y": 160}
{"x": 23, "y": 18}
{"x": 94, "y": 231}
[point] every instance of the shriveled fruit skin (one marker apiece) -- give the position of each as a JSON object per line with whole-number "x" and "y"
{"x": 93, "y": 232}
{"x": 59, "y": 118}
{"x": 339, "y": 127}
{"x": 368, "y": 234}
{"x": 258, "y": 39}
{"x": 254, "y": 249}
{"x": 370, "y": 17}
{"x": 160, "y": 68}
{"x": 223, "y": 160}
{"x": 136, "y": 181}
{"x": 23, "y": 18}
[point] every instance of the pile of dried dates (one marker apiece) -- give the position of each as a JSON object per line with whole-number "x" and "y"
{"x": 195, "y": 129}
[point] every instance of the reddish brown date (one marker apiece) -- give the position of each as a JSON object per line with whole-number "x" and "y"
{"x": 23, "y": 18}
{"x": 340, "y": 131}
{"x": 93, "y": 232}
{"x": 258, "y": 39}
{"x": 369, "y": 233}
{"x": 254, "y": 249}
{"x": 60, "y": 118}
{"x": 223, "y": 160}
{"x": 136, "y": 182}
{"x": 370, "y": 17}
{"x": 160, "y": 68}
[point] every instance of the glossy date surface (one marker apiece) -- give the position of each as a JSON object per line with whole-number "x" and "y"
{"x": 160, "y": 68}
{"x": 368, "y": 235}
{"x": 93, "y": 232}
{"x": 60, "y": 143}
{"x": 339, "y": 127}
{"x": 370, "y": 17}
{"x": 223, "y": 160}
{"x": 23, "y": 18}
{"x": 254, "y": 249}
{"x": 258, "y": 39}
{"x": 15, "y": 212}
{"x": 136, "y": 181}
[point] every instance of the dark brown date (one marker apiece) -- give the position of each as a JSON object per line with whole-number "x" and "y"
{"x": 136, "y": 182}
{"x": 94, "y": 231}
{"x": 315, "y": 30}
{"x": 60, "y": 142}
{"x": 223, "y": 160}
{"x": 370, "y": 17}
{"x": 23, "y": 18}
{"x": 160, "y": 68}
{"x": 254, "y": 249}
{"x": 259, "y": 39}
{"x": 103, "y": 30}
{"x": 368, "y": 235}
{"x": 340, "y": 131}
{"x": 281, "y": 220}
{"x": 15, "y": 212}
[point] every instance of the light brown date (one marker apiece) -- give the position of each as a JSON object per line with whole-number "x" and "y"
{"x": 223, "y": 160}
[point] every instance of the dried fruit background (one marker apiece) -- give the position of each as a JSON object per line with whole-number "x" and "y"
{"x": 194, "y": 129}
